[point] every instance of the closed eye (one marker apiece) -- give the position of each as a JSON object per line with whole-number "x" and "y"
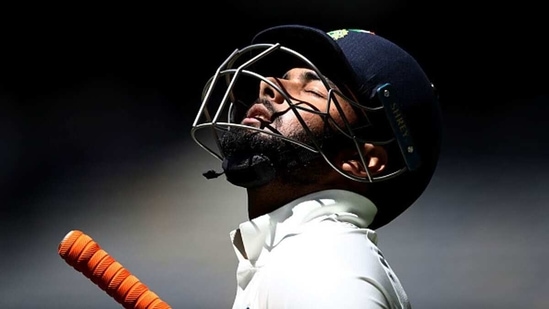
{"x": 316, "y": 93}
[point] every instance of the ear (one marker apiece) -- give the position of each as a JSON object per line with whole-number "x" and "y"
{"x": 375, "y": 158}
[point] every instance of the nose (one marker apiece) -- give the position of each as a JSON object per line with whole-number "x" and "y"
{"x": 266, "y": 91}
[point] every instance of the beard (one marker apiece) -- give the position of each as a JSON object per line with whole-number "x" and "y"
{"x": 288, "y": 162}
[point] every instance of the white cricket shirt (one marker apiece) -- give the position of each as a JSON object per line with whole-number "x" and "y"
{"x": 315, "y": 253}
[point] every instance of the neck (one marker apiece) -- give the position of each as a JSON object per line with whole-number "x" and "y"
{"x": 268, "y": 198}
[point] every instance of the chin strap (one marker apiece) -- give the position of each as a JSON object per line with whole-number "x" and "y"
{"x": 258, "y": 170}
{"x": 249, "y": 172}
{"x": 211, "y": 174}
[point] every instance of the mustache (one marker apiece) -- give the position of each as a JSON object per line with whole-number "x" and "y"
{"x": 242, "y": 109}
{"x": 269, "y": 105}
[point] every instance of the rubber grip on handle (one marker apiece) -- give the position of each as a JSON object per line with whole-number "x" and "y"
{"x": 86, "y": 256}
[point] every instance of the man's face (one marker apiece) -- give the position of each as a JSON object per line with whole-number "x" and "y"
{"x": 309, "y": 106}
{"x": 309, "y": 98}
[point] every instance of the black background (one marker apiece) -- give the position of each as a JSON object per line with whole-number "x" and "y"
{"x": 97, "y": 92}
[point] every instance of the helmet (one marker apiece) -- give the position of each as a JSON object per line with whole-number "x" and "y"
{"x": 381, "y": 81}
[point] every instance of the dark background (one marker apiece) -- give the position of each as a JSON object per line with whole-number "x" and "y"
{"x": 96, "y": 104}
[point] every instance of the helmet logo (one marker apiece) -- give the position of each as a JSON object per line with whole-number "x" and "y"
{"x": 338, "y": 34}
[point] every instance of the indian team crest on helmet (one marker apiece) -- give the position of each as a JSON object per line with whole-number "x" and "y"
{"x": 338, "y": 34}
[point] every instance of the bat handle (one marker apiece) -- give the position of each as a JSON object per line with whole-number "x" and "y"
{"x": 86, "y": 256}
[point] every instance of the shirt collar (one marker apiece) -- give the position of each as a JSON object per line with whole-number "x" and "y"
{"x": 265, "y": 232}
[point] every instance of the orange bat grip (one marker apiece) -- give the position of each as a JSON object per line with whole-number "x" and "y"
{"x": 86, "y": 256}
